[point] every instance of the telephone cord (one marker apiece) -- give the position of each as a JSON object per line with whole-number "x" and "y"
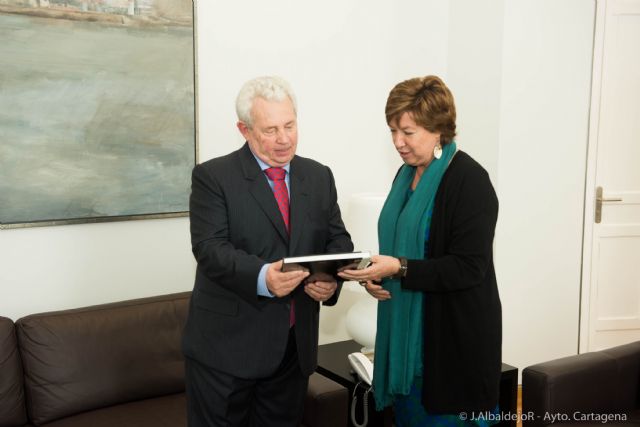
{"x": 365, "y": 406}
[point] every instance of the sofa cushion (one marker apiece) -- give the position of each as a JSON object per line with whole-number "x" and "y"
{"x": 84, "y": 359}
{"x": 12, "y": 409}
{"x": 166, "y": 411}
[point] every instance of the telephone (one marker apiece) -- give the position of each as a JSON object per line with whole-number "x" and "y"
{"x": 364, "y": 263}
{"x": 362, "y": 366}
{"x": 364, "y": 369}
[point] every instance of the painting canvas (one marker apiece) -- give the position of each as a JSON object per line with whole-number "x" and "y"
{"x": 97, "y": 109}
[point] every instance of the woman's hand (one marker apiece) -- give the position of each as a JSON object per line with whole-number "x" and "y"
{"x": 376, "y": 290}
{"x": 381, "y": 266}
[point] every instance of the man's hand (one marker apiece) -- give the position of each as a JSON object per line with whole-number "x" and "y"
{"x": 320, "y": 291}
{"x": 282, "y": 283}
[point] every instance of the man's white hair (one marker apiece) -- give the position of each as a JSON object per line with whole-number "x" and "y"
{"x": 270, "y": 88}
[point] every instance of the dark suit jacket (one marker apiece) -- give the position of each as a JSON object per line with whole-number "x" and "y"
{"x": 236, "y": 227}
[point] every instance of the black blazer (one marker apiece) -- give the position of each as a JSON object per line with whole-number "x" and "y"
{"x": 236, "y": 227}
{"x": 462, "y": 310}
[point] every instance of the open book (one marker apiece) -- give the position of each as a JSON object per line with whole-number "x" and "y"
{"x": 326, "y": 267}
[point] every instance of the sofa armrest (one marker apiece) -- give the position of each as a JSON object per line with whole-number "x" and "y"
{"x": 585, "y": 383}
{"x": 627, "y": 358}
{"x": 325, "y": 404}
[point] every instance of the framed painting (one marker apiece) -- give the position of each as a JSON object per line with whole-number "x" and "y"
{"x": 97, "y": 110}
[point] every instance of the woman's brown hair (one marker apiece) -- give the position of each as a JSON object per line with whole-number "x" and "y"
{"x": 429, "y": 102}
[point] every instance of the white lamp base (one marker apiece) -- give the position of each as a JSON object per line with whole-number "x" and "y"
{"x": 361, "y": 322}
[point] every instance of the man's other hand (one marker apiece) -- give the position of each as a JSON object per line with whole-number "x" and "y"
{"x": 320, "y": 290}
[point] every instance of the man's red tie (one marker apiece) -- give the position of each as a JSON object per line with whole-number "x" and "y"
{"x": 280, "y": 191}
{"x": 282, "y": 197}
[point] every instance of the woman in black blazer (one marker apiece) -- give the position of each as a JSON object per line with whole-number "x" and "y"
{"x": 438, "y": 344}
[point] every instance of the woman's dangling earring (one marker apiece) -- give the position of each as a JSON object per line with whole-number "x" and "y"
{"x": 437, "y": 151}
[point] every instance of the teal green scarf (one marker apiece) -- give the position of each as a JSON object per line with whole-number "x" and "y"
{"x": 401, "y": 232}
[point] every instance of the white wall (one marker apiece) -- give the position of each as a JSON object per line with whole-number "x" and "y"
{"x": 519, "y": 71}
{"x": 546, "y": 79}
{"x": 52, "y": 268}
{"x": 474, "y": 74}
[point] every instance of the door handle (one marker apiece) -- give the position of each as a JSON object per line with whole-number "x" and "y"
{"x": 599, "y": 200}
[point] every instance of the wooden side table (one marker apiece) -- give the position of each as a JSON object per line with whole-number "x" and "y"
{"x": 508, "y": 398}
{"x": 333, "y": 364}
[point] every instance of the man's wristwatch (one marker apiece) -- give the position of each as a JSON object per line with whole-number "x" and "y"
{"x": 403, "y": 268}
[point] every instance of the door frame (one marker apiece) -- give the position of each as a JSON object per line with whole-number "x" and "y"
{"x": 590, "y": 179}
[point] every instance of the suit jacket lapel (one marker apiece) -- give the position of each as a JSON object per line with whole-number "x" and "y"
{"x": 299, "y": 191}
{"x": 260, "y": 190}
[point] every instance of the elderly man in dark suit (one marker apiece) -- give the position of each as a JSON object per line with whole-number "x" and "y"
{"x": 251, "y": 338}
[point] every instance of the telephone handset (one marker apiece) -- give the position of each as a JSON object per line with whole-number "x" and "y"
{"x": 364, "y": 263}
{"x": 363, "y": 367}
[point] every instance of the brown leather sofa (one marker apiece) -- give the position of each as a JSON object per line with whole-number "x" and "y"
{"x": 590, "y": 389}
{"x": 111, "y": 365}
